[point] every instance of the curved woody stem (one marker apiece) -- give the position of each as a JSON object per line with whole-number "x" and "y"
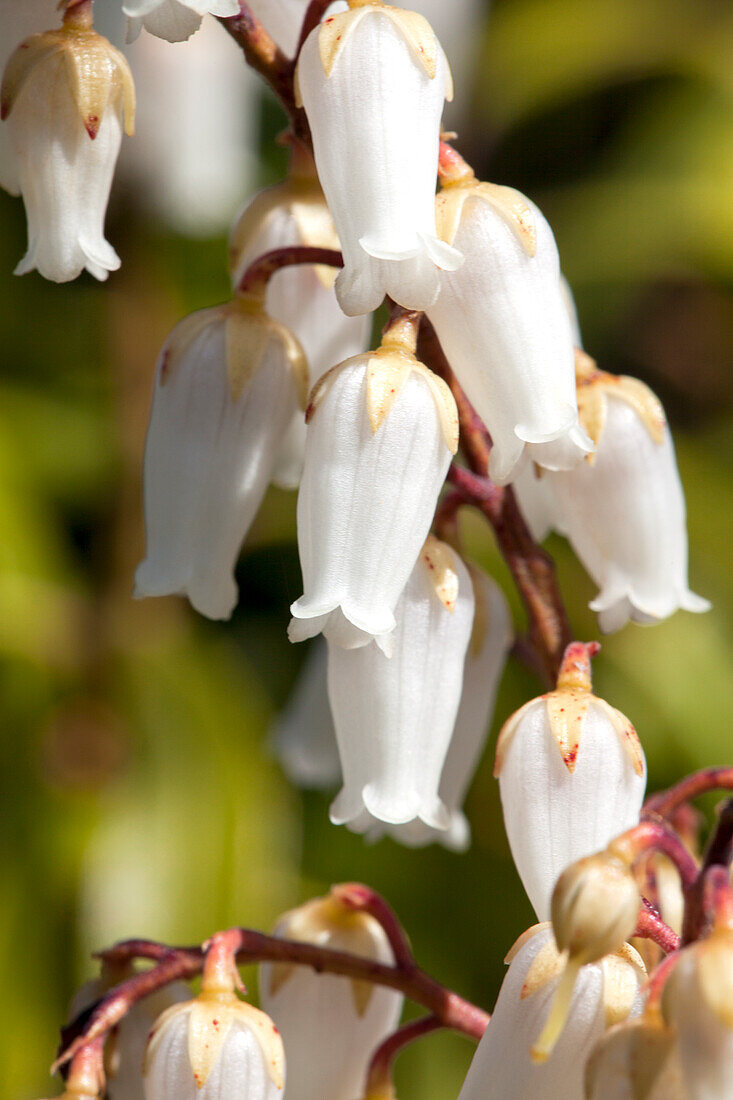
{"x": 260, "y": 271}
{"x": 379, "y": 1075}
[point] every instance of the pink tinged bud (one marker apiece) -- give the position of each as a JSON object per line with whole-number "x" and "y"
{"x": 66, "y": 96}
{"x": 227, "y": 384}
{"x": 381, "y": 432}
{"x": 491, "y": 638}
{"x": 394, "y": 717}
{"x": 303, "y": 738}
{"x": 300, "y": 297}
{"x": 698, "y": 1002}
{"x": 623, "y": 510}
{"x": 330, "y": 1026}
{"x": 215, "y": 1047}
{"x": 174, "y": 20}
{"x": 572, "y": 776}
{"x": 604, "y": 993}
{"x": 504, "y": 326}
{"x": 373, "y": 81}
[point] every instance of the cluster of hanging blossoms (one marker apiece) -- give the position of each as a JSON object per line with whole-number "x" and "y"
{"x": 481, "y": 354}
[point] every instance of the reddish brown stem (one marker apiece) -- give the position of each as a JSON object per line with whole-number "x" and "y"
{"x": 313, "y": 16}
{"x": 656, "y": 836}
{"x": 355, "y": 895}
{"x": 379, "y": 1076}
{"x": 664, "y": 803}
{"x": 650, "y": 926}
{"x": 261, "y": 270}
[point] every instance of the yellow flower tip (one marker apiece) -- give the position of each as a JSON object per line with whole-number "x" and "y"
{"x": 559, "y": 1012}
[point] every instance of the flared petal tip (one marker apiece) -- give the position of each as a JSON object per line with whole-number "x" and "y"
{"x": 616, "y": 607}
{"x": 342, "y": 626}
{"x": 213, "y": 602}
{"x": 370, "y": 810}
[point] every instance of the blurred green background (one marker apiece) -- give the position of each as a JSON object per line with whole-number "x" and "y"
{"x": 137, "y": 796}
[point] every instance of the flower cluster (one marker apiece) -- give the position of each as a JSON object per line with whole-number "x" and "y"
{"x": 280, "y": 385}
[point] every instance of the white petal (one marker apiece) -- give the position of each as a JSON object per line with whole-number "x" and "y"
{"x": 208, "y": 460}
{"x": 504, "y": 327}
{"x": 705, "y": 1042}
{"x": 502, "y": 1066}
{"x": 168, "y": 19}
{"x": 65, "y": 177}
{"x": 303, "y": 738}
{"x": 554, "y": 816}
{"x": 625, "y": 517}
{"x": 394, "y": 717}
{"x": 365, "y": 507}
{"x": 533, "y": 491}
{"x": 328, "y": 1043}
{"x": 378, "y": 174}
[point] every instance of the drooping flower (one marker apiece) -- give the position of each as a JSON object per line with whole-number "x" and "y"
{"x": 636, "y": 1060}
{"x": 300, "y": 297}
{"x": 330, "y": 1025}
{"x": 394, "y": 716}
{"x": 65, "y": 96}
{"x": 213, "y": 1048}
{"x": 227, "y": 383}
{"x": 504, "y": 326}
{"x": 485, "y": 659}
{"x": 571, "y": 775}
{"x": 382, "y": 429}
{"x": 623, "y": 509}
{"x": 378, "y": 164}
{"x": 698, "y": 1002}
{"x": 303, "y": 738}
{"x": 174, "y": 20}
{"x": 606, "y": 992}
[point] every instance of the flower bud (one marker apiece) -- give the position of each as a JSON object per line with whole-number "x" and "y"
{"x": 174, "y": 20}
{"x": 382, "y": 429}
{"x": 571, "y": 775}
{"x": 227, "y": 384}
{"x": 303, "y": 738}
{"x": 65, "y": 95}
{"x": 330, "y": 1025}
{"x": 605, "y": 993}
{"x": 373, "y": 81}
{"x": 698, "y": 1002}
{"x": 301, "y": 297}
{"x": 636, "y": 1060}
{"x": 485, "y": 659}
{"x": 125, "y": 1048}
{"x": 504, "y": 327}
{"x": 623, "y": 509}
{"x": 214, "y": 1048}
{"x": 595, "y": 907}
{"x": 394, "y": 717}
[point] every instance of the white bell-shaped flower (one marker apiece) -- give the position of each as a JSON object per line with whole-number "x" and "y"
{"x": 303, "y": 737}
{"x": 301, "y": 297}
{"x": 227, "y": 383}
{"x": 491, "y": 638}
{"x": 126, "y": 1047}
{"x": 572, "y": 775}
{"x": 636, "y": 1060}
{"x": 214, "y": 1048}
{"x": 505, "y": 329}
{"x": 698, "y": 1002}
{"x": 382, "y": 429}
{"x": 330, "y": 1025}
{"x": 394, "y": 717}
{"x": 605, "y": 993}
{"x": 623, "y": 509}
{"x": 373, "y": 81}
{"x": 174, "y": 20}
{"x": 533, "y": 489}
{"x": 66, "y": 95}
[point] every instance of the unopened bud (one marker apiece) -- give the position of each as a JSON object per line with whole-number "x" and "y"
{"x": 636, "y": 1060}
{"x": 595, "y": 907}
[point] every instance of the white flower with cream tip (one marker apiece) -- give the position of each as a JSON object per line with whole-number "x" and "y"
{"x": 227, "y": 384}
{"x": 378, "y": 165}
{"x": 394, "y": 717}
{"x": 382, "y": 429}
{"x": 303, "y": 737}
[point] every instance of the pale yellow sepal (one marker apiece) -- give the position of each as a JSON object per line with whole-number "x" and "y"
{"x": 622, "y": 974}
{"x": 594, "y": 387}
{"x": 303, "y": 199}
{"x": 98, "y": 74}
{"x": 414, "y": 28}
{"x": 547, "y": 964}
{"x": 715, "y": 974}
{"x": 511, "y": 205}
{"x": 647, "y": 1047}
{"x": 440, "y": 564}
{"x": 524, "y": 938}
{"x": 626, "y": 732}
{"x": 387, "y": 372}
{"x": 249, "y": 331}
